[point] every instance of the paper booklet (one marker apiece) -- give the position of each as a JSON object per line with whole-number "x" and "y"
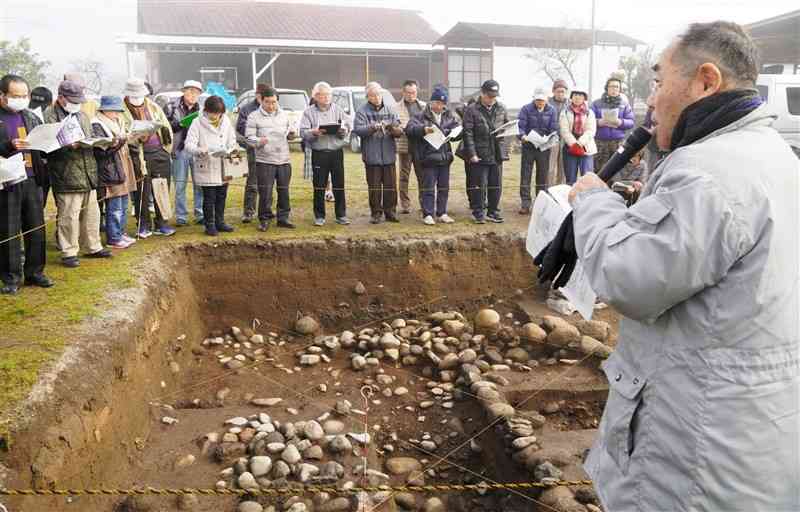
{"x": 437, "y": 138}
{"x": 141, "y": 127}
{"x": 225, "y": 153}
{"x": 98, "y": 142}
{"x": 610, "y": 115}
{"x": 509, "y": 129}
{"x": 52, "y": 136}
{"x": 541, "y": 142}
{"x": 12, "y": 170}
{"x": 549, "y": 210}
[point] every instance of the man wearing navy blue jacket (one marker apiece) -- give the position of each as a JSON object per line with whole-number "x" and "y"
{"x": 542, "y": 118}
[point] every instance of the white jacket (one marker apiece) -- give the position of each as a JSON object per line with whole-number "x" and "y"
{"x": 589, "y": 130}
{"x": 702, "y": 412}
{"x": 275, "y": 127}
{"x": 202, "y": 135}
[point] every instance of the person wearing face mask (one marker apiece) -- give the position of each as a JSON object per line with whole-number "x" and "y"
{"x": 73, "y": 176}
{"x": 20, "y": 204}
{"x": 210, "y": 133}
{"x": 151, "y": 156}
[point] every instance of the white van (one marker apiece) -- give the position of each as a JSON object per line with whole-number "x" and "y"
{"x": 782, "y": 94}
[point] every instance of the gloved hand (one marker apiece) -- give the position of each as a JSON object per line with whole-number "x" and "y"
{"x": 558, "y": 259}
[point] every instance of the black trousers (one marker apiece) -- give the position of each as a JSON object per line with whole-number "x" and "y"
{"x": 21, "y": 210}
{"x": 251, "y": 187}
{"x": 268, "y": 175}
{"x": 530, "y": 157}
{"x": 484, "y": 185}
{"x": 382, "y": 183}
{"x": 324, "y": 163}
{"x": 214, "y": 204}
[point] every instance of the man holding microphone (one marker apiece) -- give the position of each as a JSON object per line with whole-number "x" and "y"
{"x": 702, "y": 412}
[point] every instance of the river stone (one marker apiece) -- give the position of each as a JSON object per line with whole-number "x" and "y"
{"x": 518, "y": 355}
{"x": 406, "y": 500}
{"x": 449, "y": 362}
{"x": 306, "y": 325}
{"x": 521, "y": 443}
{"x": 398, "y": 323}
{"x": 389, "y": 340}
{"x": 247, "y": 481}
{"x": 291, "y": 455}
{"x": 309, "y": 359}
{"x": 266, "y": 402}
{"x": 313, "y": 431}
{"x": 434, "y": 505}
{"x": 359, "y": 288}
{"x": 313, "y": 452}
{"x": 188, "y": 502}
{"x": 306, "y": 471}
{"x": 487, "y": 321}
{"x": 250, "y": 506}
{"x": 260, "y": 465}
{"x": 340, "y": 504}
{"x": 595, "y": 328}
{"x": 532, "y": 333}
{"x": 500, "y": 410}
{"x": 563, "y": 335}
{"x": 402, "y": 465}
{"x": 358, "y": 362}
{"x": 590, "y": 345}
{"x": 333, "y": 427}
{"x": 467, "y": 356}
{"x": 280, "y": 470}
{"x": 453, "y": 327}
{"x": 340, "y": 444}
{"x": 547, "y": 470}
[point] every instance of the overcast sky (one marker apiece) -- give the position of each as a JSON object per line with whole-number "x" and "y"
{"x": 62, "y": 31}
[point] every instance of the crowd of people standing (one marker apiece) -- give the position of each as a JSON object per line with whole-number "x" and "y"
{"x": 190, "y": 142}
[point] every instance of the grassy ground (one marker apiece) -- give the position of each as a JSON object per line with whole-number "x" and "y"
{"x": 37, "y": 324}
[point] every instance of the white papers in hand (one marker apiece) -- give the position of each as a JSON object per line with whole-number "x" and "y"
{"x": 44, "y": 137}
{"x": 549, "y": 211}
{"x": 141, "y": 127}
{"x": 610, "y": 115}
{"x": 509, "y": 129}
{"x": 541, "y": 142}
{"x": 12, "y": 170}
{"x": 437, "y": 138}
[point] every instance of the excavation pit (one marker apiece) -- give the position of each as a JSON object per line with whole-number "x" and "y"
{"x": 169, "y": 354}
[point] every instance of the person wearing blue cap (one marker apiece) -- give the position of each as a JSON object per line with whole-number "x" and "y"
{"x": 435, "y": 161}
{"x": 114, "y": 169}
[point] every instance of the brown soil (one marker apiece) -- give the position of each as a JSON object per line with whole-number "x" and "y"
{"x": 101, "y": 425}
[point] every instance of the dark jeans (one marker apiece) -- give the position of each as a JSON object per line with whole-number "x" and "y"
{"x": 21, "y": 210}
{"x": 382, "y": 183}
{"x": 326, "y": 163}
{"x": 251, "y": 185}
{"x": 484, "y": 185}
{"x": 530, "y": 157}
{"x": 268, "y": 176}
{"x": 214, "y": 204}
{"x": 435, "y": 185}
{"x": 573, "y": 164}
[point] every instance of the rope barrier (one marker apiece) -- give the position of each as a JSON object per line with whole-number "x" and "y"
{"x": 294, "y": 490}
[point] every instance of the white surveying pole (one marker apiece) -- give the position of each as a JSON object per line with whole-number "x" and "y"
{"x": 591, "y": 51}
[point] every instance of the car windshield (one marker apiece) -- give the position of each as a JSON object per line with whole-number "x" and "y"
{"x": 293, "y": 101}
{"x": 360, "y": 97}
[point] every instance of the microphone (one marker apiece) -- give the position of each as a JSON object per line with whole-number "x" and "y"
{"x": 635, "y": 142}
{"x": 558, "y": 259}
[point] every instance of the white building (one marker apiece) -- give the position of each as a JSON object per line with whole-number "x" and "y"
{"x": 516, "y": 56}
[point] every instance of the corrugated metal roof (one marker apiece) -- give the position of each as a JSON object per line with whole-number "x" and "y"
{"x": 268, "y": 20}
{"x": 523, "y": 35}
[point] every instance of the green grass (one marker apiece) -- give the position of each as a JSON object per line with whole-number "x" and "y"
{"x": 37, "y": 324}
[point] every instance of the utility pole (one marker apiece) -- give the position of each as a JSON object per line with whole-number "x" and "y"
{"x": 591, "y": 52}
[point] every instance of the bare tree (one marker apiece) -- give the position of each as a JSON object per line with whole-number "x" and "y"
{"x": 638, "y": 69}
{"x": 94, "y": 74}
{"x": 560, "y": 49}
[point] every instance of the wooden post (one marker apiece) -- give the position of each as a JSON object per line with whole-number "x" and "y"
{"x": 366, "y": 67}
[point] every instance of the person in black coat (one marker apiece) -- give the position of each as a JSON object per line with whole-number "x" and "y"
{"x": 484, "y": 153}
{"x": 435, "y": 161}
{"x": 21, "y": 208}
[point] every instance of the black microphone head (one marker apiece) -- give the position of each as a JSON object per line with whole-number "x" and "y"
{"x": 638, "y": 139}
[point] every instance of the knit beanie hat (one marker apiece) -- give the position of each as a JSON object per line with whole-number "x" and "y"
{"x": 439, "y": 94}
{"x": 560, "y": 83}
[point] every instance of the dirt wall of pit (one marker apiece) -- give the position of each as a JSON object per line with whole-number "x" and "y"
{"x": 80, "y": 426}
